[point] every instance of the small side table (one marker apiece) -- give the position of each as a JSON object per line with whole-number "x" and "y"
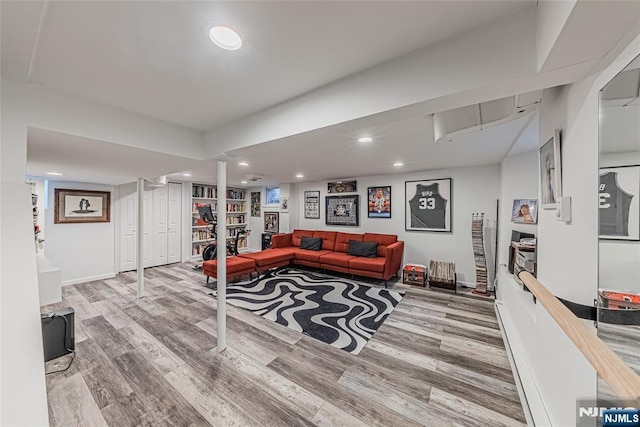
{"x": 414, "y": 275}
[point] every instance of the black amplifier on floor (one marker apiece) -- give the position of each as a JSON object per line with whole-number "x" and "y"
{"x": 58, "y": 337}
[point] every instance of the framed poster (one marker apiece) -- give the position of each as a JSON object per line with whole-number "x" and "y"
{"x": 379, "y": 202}
{"x": 78, "y": 206}
{"x": 525, "y": 211}
{"x": 312, "y": 204}
{"x": 550, "y": 172}
{"x": 284, "y": 204}
{"x": 271, "y": 222}
{"x": 255, "y": 203}
{"x": 619, "y": 192}
{"x": 342, "y": 210}
{"x": 342, "y": 187}
{"x": 428, "y": 205}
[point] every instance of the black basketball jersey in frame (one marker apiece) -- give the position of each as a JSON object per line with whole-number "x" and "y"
{"x": 428, "y": 208}
{"x": 615, "y": 204}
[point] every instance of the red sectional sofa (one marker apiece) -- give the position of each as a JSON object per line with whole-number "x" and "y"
{"x": 285, "y": 248}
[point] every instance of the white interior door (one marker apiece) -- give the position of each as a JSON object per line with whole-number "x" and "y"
{"x": 174, "y": 223}
{"x": 147, "y": 221}
{"x": 128, "y": 222}
{"x": 160, "y": 225}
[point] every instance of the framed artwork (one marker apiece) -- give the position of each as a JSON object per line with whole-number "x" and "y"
{"x": 550, "y": 172}
{"x": 81, "y": 206}
{"x": 525, "y": 211}
{"x": 379, "y": 202}
{"x": 342, "y": 187}
{"x": 342, "y": 210}
{"x": 312, "y": 204}
{"x": 284, "y": 204}
{"x": 255, "y": 203}
{"x": 428, "y": 205}
{"x": 619, "y": 193}
{"x": 271, "y": 222}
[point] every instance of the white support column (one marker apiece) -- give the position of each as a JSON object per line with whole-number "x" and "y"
{"x": 222, "y": 255}
{"x": 140, "y": 236}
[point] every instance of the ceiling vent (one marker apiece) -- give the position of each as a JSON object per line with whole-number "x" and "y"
{"x": 253, "y": 177}
{"x": 159, "y": 181}
{"x": 448, "y": 124}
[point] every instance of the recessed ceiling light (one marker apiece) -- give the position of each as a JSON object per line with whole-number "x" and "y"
{"x": 365, "y": 139}
{"x": 243, "y": 164}
{"x": 55, "y": 173}
{"x": 299, "y": 175}
{"x": 398, "y": 164}
{"x": 186, "y": 174}
{"x": 243, "y": 182}
{"x": 225, "y": 38}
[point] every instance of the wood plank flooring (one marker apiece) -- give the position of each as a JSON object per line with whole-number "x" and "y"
{"x": 438, "y": 360}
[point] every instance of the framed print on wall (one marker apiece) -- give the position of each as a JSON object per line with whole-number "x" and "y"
{"x": 81, "y": 206}
{"x": 342, "y": 210}
{"x": 312, "y": 204}
{"x": 379, "y": 202}
{"x": 255, "y": 203}
{"x": 525, "y": 211}
{"x": 271, "y": 222}
{"x": 619, "y": 210}
{"x": 428, "y": 205}
{"x": 284, "y": 204}
{"x": 550, "y": 172}
{"x": 342, "y": 187}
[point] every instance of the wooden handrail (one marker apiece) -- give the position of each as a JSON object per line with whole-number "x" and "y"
{"x": 623, "y": 380}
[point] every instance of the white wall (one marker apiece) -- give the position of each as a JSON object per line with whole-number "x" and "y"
{"x": 474, "y": 189}
{"x": 83, "y": 252}
{"x": 567, "y": 253}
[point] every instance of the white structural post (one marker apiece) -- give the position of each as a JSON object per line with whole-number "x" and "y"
{"x": 222, "y": 255}
{"x": 140, "y": 236}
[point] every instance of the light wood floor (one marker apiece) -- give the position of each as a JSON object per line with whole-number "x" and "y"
{"x": 438, "y": 360}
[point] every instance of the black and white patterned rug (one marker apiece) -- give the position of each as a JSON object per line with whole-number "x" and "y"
{"x": 337, "y": 311}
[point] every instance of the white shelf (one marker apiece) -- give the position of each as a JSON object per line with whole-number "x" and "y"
{"x": 236, "y": 200}
{"x": 204, "y": 198}
{"x": 202, "y": 241}
{"x": 238, "y": 212}
{"x": 237, "y": 225}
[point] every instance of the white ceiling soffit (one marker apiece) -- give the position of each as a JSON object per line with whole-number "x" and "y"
{"x": 89, "y": 160}
{"x": 472, "y": 118}
{"x": 624, "y": 89}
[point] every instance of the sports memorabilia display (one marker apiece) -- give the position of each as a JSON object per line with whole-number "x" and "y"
{"x": 428, "y": 205}
{"x": 342, "y": 187}
{"x": 255, "y": 203}
{"x": 342, "y": 210}
{"x": 312, "y": 204}
{"x": 379, "y": 202}
{"x": 619, "y": 213}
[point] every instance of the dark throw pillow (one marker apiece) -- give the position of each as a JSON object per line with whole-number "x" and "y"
{"x": 311, "y": 243}
{"x": 365, "y": 249}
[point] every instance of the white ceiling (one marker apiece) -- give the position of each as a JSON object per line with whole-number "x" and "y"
{"x": 154, "y": 57}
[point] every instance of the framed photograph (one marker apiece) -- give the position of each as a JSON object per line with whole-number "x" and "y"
{"x": 342, "y": 187}
{"x": 550, "y": 172}
{"x": 80, "y": 206}
{"x": 619, "y": 192}
{"x": 271, "y": 222}
{"x": 379, "y": 202}
{"x": 428, "y": 205}
{"x": 255, "y": 203}
{"x": 342, "y": 210}
{"x": 284, "y": 204}
{"x": 312, "y": 204}
{"x": 525, "y": 211}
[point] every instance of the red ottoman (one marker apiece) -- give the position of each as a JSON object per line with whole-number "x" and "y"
{"x": 236, "y": 267}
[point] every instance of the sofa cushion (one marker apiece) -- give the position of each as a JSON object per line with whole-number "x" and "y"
{"x": 342, "y": 241}
{"x": 383, "y": 240}
{"x": 307, "y": 255}
{"x": 311, "y": 243}
{"x": 328, "y": 239}
{"x": 297, "y": 235}
{"x": 336, "y": 258}
{"x": 363, "y": 249}
{"x": 234, "y": 265}
{"x": 371, "y": 264}
{"x": 270, "y": 256}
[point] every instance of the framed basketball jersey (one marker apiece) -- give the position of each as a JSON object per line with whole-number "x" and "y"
{"x": 619, "y": 202}
{"x": 428, "y": 205}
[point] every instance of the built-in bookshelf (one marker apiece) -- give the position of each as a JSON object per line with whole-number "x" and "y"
{"x": 236, "y": 217}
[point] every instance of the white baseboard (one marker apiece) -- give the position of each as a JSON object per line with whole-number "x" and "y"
{"x": 88, "y": 279}
{"x": 532, "y": 404}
